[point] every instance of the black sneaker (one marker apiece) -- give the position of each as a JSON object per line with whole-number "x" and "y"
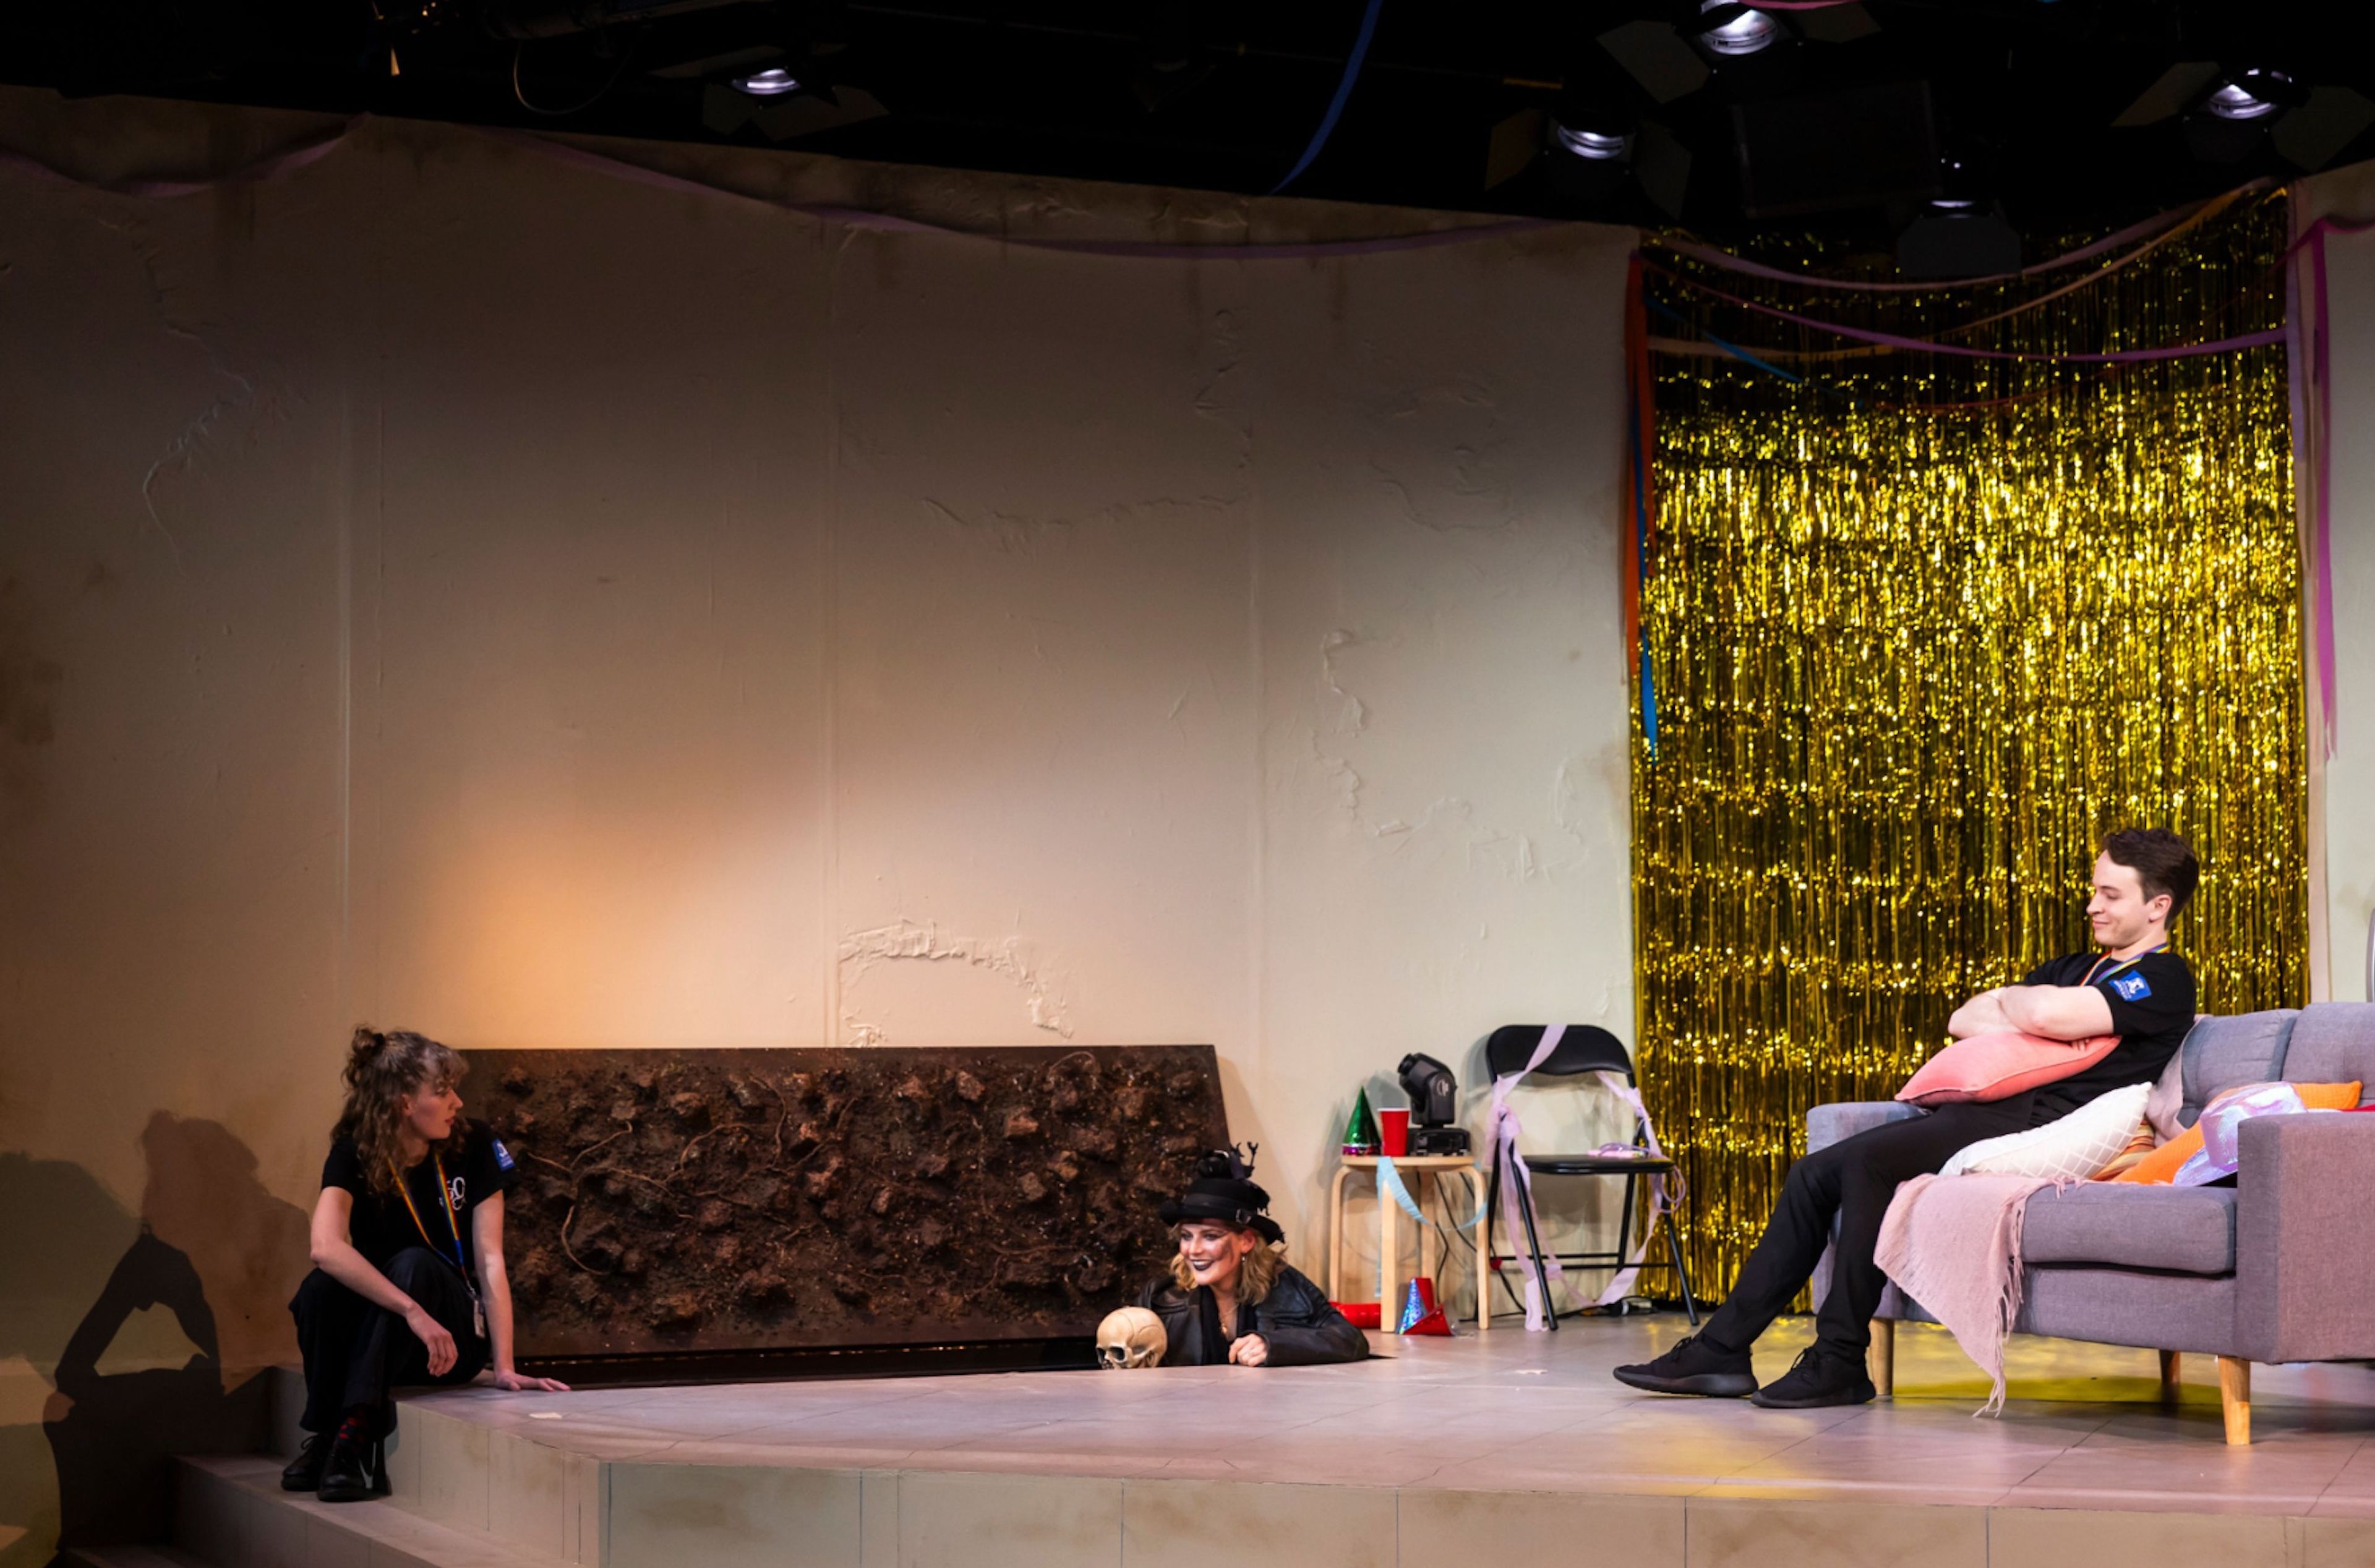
{"x": 1694, "y": 1366}
{"x": 1819, "y": 1377}
{"x": 352, "y": 1473}
{"x": 304, "y": 1472}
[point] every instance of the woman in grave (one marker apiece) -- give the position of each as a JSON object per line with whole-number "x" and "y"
{"x": 1232, "y": 1298}
{"x": 408, "y": 1285}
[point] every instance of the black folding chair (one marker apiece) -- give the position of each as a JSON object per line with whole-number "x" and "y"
{"x": 1583, "y": 1048}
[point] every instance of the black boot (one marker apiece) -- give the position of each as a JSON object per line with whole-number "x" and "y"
{"x": 1819, "y": 1377}
{"x": 354, "y": 1471}
{"x": 1694, "y": 1366}
{"x": 304, "y": 1472}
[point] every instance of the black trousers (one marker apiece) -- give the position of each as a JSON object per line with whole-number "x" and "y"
{"x": 356, "y": 1350}
{"x": 1850, "y": 1183}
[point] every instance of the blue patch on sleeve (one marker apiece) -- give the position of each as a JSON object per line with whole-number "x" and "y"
{"x": 2131, "y": 985}
{"x": 502, "y": 1155}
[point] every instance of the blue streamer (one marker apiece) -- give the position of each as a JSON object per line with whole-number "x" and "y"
{"x": 1389, "y": 1182}
{"x": 1648, "y": 698}
{"x": 1733, "y": 350}
{"x": 1633, "y": 413}
{"x": 1344, "y": 91}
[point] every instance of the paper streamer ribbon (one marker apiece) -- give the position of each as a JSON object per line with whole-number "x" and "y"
{"x": 2311, "y": 363}
{"x": 272, "y": 166}
{"x": 280, "y": 165}
{"x": 1932, "y": 346}
{"x": 1665, "y": 1190}
{"x": 1389, "y": 1182}
{"x": 1515, "y": 1178}
{"x": 2161, "y": 227}
{"x": 1664, "y": 1193}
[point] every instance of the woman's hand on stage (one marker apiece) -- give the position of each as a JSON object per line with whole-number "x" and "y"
{"x": 1248, "y": 1352}
{"x": 520, "y": 1382}
{"x": 432, "y": 1335}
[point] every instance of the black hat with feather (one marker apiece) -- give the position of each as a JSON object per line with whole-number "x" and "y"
{"x": 1223, "y": 1191}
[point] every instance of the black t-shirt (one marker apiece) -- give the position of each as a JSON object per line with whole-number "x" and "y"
{"x": 2152, "y": 1008}
{"x": 382, "y": 1226}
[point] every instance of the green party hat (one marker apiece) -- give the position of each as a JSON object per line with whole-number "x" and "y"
{"x": 1361, "y": 1126}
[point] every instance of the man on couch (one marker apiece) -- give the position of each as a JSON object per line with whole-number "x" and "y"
{"x": 2134, "y": 987}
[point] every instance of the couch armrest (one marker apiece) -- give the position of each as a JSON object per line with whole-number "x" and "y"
{"x": 2304, "y": 1233}
{"x": 1827, "y": 1124}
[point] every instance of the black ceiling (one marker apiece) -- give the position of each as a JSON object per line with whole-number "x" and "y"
{"x": 1453, "y": 107}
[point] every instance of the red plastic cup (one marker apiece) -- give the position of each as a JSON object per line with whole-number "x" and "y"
{"x": 1393, "y": 1133}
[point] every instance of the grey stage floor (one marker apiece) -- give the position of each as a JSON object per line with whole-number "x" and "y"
{"x": 2084, "y": 1429}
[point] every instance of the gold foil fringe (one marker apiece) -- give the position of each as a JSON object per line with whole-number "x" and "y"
{"x": 1911, "y": 664}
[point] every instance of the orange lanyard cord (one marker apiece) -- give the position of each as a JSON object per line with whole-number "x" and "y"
{"x": 2093, "y": 973}
{"x": 446, "y": 1195}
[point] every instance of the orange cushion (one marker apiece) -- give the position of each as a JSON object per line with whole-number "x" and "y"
{"x": 2139, "y": 1148}
{"x": 2161, "y": 1164}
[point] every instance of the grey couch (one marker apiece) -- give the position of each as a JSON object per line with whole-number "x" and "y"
{"x": 2278, "y": 1268}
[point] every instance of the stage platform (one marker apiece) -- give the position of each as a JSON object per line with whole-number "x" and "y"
{"x": 1515, "y": 1448}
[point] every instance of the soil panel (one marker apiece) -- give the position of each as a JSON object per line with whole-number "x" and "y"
{"x": 754, "y": 1200}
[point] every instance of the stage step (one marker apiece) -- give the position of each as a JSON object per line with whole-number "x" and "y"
{"x": 230, "y": 1513}
{"x": 127, "y": 1557}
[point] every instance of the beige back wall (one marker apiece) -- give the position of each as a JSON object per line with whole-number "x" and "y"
{"x": 2349, "y": 777}
{"x": 453, "y": 589}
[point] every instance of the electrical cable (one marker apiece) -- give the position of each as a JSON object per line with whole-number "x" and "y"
{"x": 1344, "y": 91}
{"x": 598, "y": 94}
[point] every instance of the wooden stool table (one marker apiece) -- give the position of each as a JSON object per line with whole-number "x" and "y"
{"x": 1422, "y": 1168}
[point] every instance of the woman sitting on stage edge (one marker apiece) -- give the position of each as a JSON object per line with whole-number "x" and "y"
{"x": 408, "y": 1284}
{"x": 1232, "y": 1298}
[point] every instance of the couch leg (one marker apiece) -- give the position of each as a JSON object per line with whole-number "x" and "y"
{"x": 2235, "y": 1397}
{"x": 1883, "y": 1356}
{"x": 2172, "y": 1371}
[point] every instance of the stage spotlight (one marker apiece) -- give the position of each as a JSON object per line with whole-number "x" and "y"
{"x": 2253, "y": 95}
{"x": 773, "y": 82}
{"x": 1599, "y": 145}
{"x": 1733, "y": 30}
{"x": 1589, "y": 152}
{"x": 2230, "y": 124}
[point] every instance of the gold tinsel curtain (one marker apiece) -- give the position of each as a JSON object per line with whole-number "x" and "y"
{"x": 1920, "y": 629}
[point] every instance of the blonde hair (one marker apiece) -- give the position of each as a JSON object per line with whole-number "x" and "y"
{"x": 1256, "y": 1275}
{"x": 382, "y": 1072}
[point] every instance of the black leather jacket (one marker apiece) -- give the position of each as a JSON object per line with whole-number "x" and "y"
{"x": 1298, "y": 1324}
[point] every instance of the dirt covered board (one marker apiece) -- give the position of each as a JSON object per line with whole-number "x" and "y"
{"x": 751, "y": 1199}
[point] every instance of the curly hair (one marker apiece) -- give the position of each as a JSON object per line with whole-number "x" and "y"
{"x": 1255, "y": 1276}
{"x": 382, "y": 1072}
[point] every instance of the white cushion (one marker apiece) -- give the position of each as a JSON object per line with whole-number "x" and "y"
{"x": 2071, "y": 1149}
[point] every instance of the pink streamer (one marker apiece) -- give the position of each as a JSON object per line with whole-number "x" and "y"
{"x": 2148, "y": 228}
{"x": 273, "y": 166}
{"x": 281, "y": 164}
{"x": 1515, "y": 1177}
{"x": 2316, "y": 363}
{"x": 1930, "y": 346}
{"x": 1514, "y": 1174}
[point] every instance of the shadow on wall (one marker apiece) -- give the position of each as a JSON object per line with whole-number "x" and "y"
{"x": 196, "y": 1286}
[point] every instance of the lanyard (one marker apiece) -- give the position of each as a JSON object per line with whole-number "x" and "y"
{"x": 446, "y": 1195}
{"x": 2098, "y": 971}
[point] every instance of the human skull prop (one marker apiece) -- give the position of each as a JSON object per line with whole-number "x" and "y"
{"x": 1130, "y": 1337}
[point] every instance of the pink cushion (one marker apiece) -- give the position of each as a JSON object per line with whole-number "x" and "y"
{"x": 1997, "y": 1066}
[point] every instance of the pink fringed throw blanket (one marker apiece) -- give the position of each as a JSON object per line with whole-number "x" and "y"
{"x": 1954, "y": 1245}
